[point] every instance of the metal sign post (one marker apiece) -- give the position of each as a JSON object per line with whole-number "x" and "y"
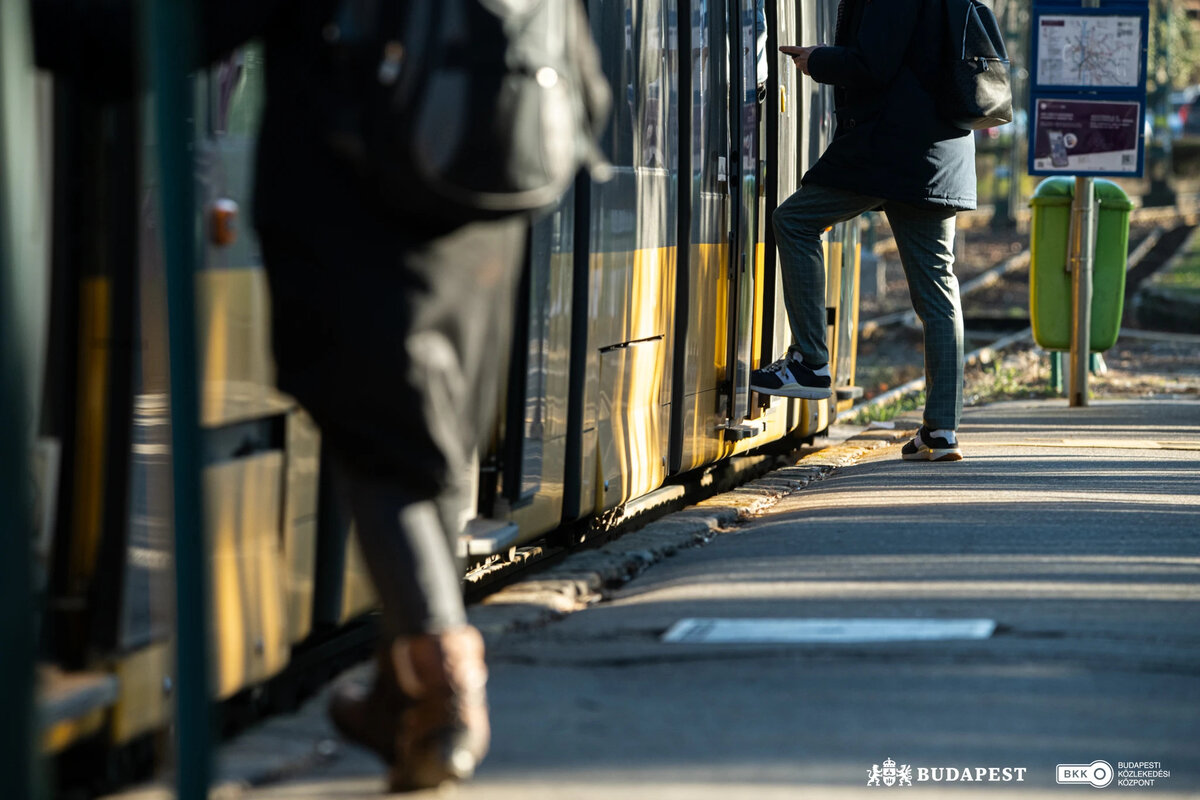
{"x": 1079, "y": 261}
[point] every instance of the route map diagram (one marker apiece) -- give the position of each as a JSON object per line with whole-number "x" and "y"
{"x": 1087, "y": 50}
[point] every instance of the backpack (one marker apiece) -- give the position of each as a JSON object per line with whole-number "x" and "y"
{"x": 461, "y": 110}
{"x": 975, "y": 91}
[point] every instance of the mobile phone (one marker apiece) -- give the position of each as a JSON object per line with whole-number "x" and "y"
{"x": 1058, "y": 149}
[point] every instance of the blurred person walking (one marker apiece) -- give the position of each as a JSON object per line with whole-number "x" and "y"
{"x": 391, "y": 327}
{"x": 890, "y": 150}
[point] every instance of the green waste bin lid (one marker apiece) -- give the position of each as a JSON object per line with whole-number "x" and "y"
{"x": 1112, "y": 196}
{"x": 1056, "y": 191}
{"x": 1060, "y": 191}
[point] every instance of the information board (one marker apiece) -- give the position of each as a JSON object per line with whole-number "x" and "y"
{"x": 1088, "y": 94}
{"x": 1086, "y": 136}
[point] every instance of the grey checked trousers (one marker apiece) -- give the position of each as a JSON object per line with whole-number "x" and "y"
{"x": 925, "y": 240}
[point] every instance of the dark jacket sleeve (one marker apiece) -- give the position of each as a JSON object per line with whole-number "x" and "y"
{"x": 873, "y": 60}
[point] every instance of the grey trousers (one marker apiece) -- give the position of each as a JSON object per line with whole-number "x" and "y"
{"x": 925, "y": 240}
{"x": 396, "y": 342}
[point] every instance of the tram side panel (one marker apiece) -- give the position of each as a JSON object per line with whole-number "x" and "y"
{"x": 143, "y": 662}
{"x": 724, "y": 287}
{"x": 244, "y": 432}
{"x": 631, "y": 271}
{"x": 808, "y": 138}
{"x": 239, "y": 378}
{"x": 801, "y": 141}
{"x": 707, "y": 281}
{"x": 244, "y": 419}
{"x": 532, "y": 482}
{"x": 787, "y": 106}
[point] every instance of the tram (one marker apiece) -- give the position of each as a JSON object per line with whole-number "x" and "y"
{"x": 646, "y": 302}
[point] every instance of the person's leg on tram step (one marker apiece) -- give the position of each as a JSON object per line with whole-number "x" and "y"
{"x": 799, "y": 223}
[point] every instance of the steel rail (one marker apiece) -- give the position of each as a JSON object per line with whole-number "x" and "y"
{"x": 988, "y": 352}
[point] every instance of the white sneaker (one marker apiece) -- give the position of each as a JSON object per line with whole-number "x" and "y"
{"x": 790, "y": 377}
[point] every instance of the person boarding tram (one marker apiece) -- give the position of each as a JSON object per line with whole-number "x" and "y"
{"x": 890, "y": 150}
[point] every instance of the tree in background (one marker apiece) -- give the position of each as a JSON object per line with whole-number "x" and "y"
{"x": 1173, "y": 62}
{"x": 1174, "y": 57}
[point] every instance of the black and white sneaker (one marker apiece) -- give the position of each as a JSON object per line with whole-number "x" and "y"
{"x": 927, "y": 447}
{"x": 790, "y": 377}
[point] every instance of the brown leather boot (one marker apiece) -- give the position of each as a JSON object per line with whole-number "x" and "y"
{"x": 369, "y": 715}
{"x": 445, "y": 732}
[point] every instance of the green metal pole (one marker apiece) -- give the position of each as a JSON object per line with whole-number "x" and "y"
{"x": 170, "y": 31}
{"x": 18, "y": 727}
{"x": 17, "y": 612}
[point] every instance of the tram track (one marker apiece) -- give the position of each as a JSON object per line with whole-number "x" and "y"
{"x": 1167, "y": 234}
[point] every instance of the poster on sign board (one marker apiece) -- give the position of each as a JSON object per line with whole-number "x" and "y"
{"x": 1086, "y": 136}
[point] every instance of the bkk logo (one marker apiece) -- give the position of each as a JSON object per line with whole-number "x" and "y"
{"x": 1097, "y": 773}
{"x": 1100, "y": 773}
{"x": 892, "y": 775}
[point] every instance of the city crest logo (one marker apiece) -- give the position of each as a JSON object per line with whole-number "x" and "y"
{"x": 890, "y": 774}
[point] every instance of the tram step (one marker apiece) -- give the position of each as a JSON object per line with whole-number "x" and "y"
{"x": 486, "y": 537}
{"x": 72, "y": 705}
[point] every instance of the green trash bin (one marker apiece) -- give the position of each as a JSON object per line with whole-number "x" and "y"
{"x": 1049, "y": 281}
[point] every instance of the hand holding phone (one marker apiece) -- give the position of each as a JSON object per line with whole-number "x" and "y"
{"x": 799, "y": 55}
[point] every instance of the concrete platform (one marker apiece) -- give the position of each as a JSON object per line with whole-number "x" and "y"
{"x": 1077, "y": 531}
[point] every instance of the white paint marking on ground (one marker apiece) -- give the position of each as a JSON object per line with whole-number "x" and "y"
{"x": 834, "y": 631}
{"x": 1095, "y": 444}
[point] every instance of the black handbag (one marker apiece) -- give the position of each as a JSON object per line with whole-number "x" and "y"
{"x": 975, "y": 91}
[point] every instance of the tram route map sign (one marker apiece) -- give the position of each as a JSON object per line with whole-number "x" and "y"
{"x": 1085, "y": 136}
{"x": 1088, "y": 98}
{"x": 1089, "y": 50}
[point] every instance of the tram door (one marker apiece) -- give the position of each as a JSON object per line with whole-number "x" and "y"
{"x": 744, "y": 229}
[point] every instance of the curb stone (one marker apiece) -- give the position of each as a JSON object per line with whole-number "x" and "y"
{"x": 588, "y": 577}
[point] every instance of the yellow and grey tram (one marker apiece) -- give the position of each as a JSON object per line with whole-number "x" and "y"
{"x": 646, "y": 303}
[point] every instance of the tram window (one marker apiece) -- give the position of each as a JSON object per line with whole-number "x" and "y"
{"x": 235, "y": 92}
{"x": 709, "y": 95}
{"x": 614, "y": 34}
{"x": 672, "y": 110}
{"x": 640, "y": 60}
{"x": 651, "y": 105}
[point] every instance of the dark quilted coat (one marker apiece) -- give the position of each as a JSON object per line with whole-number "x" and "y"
{"x": 889, "y": 141}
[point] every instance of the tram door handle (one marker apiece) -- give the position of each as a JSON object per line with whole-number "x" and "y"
{"x": 731, "y": 242}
